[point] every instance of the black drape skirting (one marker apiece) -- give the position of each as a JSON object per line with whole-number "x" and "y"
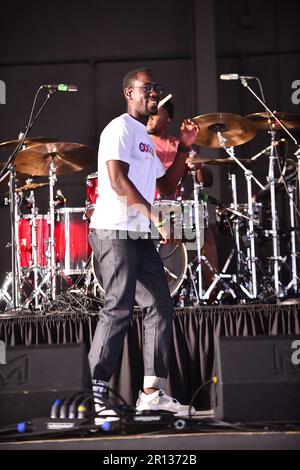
{"x": 192, "y": 353}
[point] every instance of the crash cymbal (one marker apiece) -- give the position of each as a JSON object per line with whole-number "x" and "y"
{"x": 234, "y": 128}
{"x": 31, "y": 186}
{"x": 11, "y": 144}
{"x": 263, "y": 121}
{"x": 68, "y": 157}
{"x": 220, "y": 161}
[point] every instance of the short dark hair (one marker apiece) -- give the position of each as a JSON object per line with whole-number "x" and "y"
{"x": 168, "y": 105}
{"x": 130, "y": 76}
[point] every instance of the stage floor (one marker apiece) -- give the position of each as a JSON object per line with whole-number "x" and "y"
{"x": 194, "y": 437}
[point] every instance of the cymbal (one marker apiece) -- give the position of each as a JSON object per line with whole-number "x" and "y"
{"x": 234, "y": 128}
{"x": 221, "y": 161}
{"x": 31, "y": 186}
{"x": 68, "y": 157}
{"x": 11, "y": 144}
{"x": 263, "y": 121}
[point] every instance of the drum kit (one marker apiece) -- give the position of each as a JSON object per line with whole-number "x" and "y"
{"x": 53, "y": 246}
{"x": 253, "y": 279}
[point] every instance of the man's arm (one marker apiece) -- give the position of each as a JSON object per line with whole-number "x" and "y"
{"x": 123, "y": 186}
{"x": 168, "y": 182}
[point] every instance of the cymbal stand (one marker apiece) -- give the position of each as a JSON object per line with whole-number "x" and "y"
{"x": 249, "y": 176}
{"x": 199, "y": 242}
{"x": 37, "y": 270}
{"x": 274, "y": 219}
{"x": 232, "y": 177}
{"x": 52, "y": 181}
{"x": 294, "y": 280}
{"x": 15, "y": 268}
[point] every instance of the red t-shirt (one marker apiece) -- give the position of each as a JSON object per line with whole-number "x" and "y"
{"x": 166, "y": 149}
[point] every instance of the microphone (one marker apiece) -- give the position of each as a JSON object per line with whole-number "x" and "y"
{"x": 234, "y": 76}
{"x": 61, "y": 87}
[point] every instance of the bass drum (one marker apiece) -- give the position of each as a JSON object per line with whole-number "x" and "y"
{"x": 174, "y": 258}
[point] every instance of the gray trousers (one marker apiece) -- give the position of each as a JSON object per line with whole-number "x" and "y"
{"x": 131, "y": 270}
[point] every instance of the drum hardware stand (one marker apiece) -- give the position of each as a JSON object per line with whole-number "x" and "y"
{"x": 197, "y": 189}
{"x": 274, "y": 232}
{"x": 37, "y": 270}
{"x": 52, "y": 180}
{"x": 249, "y": 176}
{"x": 276, "y": 257}
{"x": 4, "y": 294}
{"x": 236, "y": 227}
{"x": 16, "y": 306}
{"x": 294, "y": 281}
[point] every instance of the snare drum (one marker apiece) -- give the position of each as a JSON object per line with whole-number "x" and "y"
{"x": 182, "y": 213}
{"x": 26, "y": 240}
{"x": 72, "y": 249}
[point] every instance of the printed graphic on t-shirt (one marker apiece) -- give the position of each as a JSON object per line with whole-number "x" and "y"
{"x": 146, "y": 148}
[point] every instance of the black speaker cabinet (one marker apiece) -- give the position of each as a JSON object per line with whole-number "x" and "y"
{"x": 35, "y": 376}
{"x": 258, "y": 379}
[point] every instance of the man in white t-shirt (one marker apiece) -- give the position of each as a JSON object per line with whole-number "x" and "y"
{"x": 129, "y": 264}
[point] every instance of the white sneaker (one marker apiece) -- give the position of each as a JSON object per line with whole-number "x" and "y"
{"x": 161, "y": 402}
{"x": 105, "y": 416}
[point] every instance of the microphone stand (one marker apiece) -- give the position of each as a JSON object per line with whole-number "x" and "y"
{"x": 16, "y": 284}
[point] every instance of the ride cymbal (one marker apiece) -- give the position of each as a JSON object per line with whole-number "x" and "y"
{"x": 68, "y": 157}
{"x": 235, "y": 129}
{"x": 264, "y": 120}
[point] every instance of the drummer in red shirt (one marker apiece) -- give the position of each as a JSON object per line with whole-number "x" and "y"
{"x": 166, "y": 148}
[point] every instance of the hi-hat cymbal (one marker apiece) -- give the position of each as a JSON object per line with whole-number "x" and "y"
{"x": 68, "y": 157}
{"x": 221, "y": 161}
{"x": 264, "y": 121}
{"x": 234, "y": 128}
{"x": 31, "y": 186}
{"x": 11, "y": 144}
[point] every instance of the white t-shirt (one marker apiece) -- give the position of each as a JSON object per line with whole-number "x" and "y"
{"x": 125, "y": 139}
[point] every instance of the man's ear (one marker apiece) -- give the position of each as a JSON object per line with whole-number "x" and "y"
{"x": 127, "y": 93}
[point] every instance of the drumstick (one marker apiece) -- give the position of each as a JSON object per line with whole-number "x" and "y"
{"x": 164, "y": 100}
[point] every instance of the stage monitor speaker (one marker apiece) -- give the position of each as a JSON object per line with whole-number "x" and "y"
{"x": 258, "y": 379}
{"x": 35, "y": 376}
